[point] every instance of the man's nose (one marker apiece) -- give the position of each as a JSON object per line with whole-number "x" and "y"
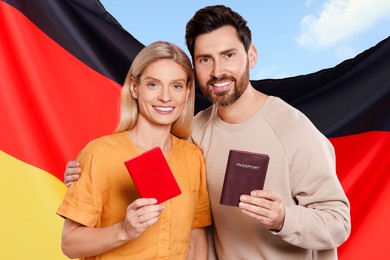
{"x": 218, "y": 69}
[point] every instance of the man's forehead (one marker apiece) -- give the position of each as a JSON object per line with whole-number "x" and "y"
{"x": 217, "y": 42}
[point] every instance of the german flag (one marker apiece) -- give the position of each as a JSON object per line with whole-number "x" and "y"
{"x": 63, "y": 63}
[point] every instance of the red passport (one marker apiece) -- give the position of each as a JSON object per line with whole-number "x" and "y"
{"x": 152, "y": 176}
{"x": 245, "y": 172}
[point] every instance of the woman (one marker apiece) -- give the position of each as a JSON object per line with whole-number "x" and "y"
{"x": 104, "y": 216}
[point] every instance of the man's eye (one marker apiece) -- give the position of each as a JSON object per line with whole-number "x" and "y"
{"x": 229, "y": 55}
{"x": 204, "y": 60}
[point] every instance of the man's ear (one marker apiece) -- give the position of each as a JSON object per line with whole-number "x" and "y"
{"x": 252, "y": 56}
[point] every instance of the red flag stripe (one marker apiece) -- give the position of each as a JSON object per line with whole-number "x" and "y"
{"x": 363, "y": 163}
{"x": 51, "y": 104}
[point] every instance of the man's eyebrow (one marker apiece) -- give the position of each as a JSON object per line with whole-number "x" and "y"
{"x": 227, "y": 51}
{"x": 206, "y": 55}
{"x": 203, "y": 56}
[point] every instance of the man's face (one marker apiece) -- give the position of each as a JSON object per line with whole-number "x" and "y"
{"x": 221, "y": 65}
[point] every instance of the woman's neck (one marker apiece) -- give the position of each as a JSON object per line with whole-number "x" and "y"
{"x": 146, "y": 137}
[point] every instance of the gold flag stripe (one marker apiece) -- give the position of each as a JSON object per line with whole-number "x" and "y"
{"x": 29, "y": 199}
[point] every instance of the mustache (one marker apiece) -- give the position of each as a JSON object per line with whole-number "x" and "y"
{"x": 215, "y": 80}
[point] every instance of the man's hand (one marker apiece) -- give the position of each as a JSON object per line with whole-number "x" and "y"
{"x": 266, "y": 206}
{"x": 72, "y": 172}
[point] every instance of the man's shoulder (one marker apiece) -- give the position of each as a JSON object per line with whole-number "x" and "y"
{"x": 279, "y": 109}
{"x": 203, "y": 116}
{"x": 288, "y": 121}
{"x": 200, "y": 123}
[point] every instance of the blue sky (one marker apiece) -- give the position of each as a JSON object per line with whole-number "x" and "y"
{"x": 292, "y": 37}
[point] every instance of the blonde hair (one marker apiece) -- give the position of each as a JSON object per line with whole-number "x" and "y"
{"x": 129, "y": 106}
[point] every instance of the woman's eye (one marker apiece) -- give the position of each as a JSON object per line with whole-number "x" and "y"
{"x": 152, "y": 84}
{"x": 177, "y": 86}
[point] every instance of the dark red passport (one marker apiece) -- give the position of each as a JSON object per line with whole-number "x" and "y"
{"x": 245, "y": 172}
{"x": 152, "y": 176}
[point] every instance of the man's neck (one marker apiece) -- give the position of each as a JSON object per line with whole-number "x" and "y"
{"x": 250, "y": 102}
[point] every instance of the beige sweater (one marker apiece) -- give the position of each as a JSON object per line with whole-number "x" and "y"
{"x": 301, "y": 170}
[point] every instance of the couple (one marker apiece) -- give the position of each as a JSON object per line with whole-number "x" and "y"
{"x": 302, "y": 213}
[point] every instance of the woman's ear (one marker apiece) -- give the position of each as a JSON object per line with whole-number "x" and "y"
{"x": 133, "y": 88}
{"x": 252, "y": 56}
{"x": 188, "y": 93}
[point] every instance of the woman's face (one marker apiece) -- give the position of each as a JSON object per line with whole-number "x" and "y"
{"x": 162, "y": 92}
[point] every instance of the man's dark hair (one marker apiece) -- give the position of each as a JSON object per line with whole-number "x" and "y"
{"x": 214, "y": 17}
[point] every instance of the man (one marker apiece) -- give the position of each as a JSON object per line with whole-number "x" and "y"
{"x": 303, "y": 212}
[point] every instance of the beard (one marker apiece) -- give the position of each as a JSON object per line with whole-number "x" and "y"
{"x": 226, "y": 98}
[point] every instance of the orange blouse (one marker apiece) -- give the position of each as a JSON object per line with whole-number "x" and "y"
{"x": 105, "y": 189}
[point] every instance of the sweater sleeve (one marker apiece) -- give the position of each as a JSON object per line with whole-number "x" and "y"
{"x": 320, "y": 218}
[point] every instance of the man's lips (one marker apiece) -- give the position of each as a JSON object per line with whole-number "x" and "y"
{"x": 221, "y": 86}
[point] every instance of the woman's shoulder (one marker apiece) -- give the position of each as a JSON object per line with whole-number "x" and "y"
{"x": 186, "y": 145}
{"x": 106, "y": 142}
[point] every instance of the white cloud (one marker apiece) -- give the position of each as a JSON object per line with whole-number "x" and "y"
{"x": 310, "y": 2}
{"x": 340, "y": 20}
